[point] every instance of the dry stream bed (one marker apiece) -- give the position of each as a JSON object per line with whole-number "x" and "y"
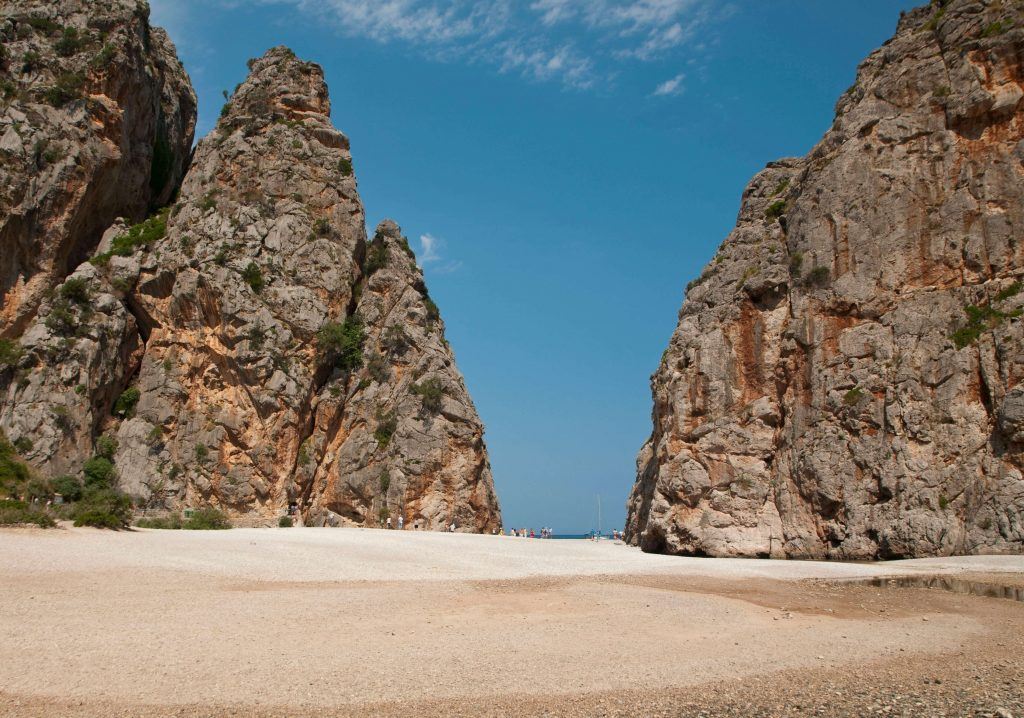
{"x": 348, "y": 622}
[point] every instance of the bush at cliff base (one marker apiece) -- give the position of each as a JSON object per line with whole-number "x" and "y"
{"x": 207, "y": 519}
{"x": 14, "y": 512}
{"x": 104, "y": 508}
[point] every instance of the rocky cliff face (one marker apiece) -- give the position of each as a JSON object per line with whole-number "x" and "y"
{"x": 96, "y": 122}
{"x": 249, "y": 349}
{"x": 845, "y": 380}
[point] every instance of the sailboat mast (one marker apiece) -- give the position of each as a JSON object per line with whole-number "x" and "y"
{"x": 599, "y": 515}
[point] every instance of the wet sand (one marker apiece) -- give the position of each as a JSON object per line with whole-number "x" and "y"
{"x": 350, "y": 622}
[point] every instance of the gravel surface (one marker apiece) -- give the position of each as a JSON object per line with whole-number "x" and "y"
{"x": 357, "y": 622}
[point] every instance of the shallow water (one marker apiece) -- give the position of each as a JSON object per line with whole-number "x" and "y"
{"x": 951, "y": 584}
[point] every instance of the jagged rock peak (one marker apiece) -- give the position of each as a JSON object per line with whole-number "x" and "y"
{"x": 247, "y": 348}
{"x": 389, "y": 228}
{"x": 846, "y": 379}
{"x": 279, "y": 86}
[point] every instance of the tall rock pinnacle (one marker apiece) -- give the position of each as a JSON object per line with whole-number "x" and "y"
{"x": 249, "y": 349}
{"x": 845, "y": 380}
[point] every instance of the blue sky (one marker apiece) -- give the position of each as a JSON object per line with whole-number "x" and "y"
{"x": 563, "y": 168}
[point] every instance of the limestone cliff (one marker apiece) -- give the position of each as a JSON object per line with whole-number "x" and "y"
{"x": 96, "y": 122}
{"x": 249, "y": 349}
{"x": 845, "y": 378}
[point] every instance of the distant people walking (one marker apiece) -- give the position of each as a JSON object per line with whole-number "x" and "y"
{"x": 452, "y": 527}
{"x": 389, "y": 522}
{"x": 401, "y": 523}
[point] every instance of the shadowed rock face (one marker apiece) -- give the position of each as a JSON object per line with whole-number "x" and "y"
{"x": 845, "y": 378}
{"x": 219, "y": 326}
{"x": 96, "y": 122}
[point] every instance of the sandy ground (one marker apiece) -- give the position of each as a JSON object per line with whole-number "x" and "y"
{"x": 358, "y": 622}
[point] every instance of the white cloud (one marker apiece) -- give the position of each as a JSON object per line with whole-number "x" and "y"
{"x": 673, "y": 86}
{"x": 430, "y": 247}
{"x": 577, "y": 43}
{"x": 419, "y": 21}
{"x": 541, "y": 63}
{"x": 430, "y": 253}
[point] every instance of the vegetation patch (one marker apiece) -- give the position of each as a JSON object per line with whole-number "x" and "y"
{"x": 376, "y": 257}
{"x": 66, "y": 88}
{"x": 387, "y": 425}
{"x": 106, "y": 446}
{"x": 996, "y": 28}
{"x": 980, "y": 318}
{"x": 124, "y": 407}
{"x": 207, "y": 518}
{"x": 14, "y": 512}
{"x": 253, "y": 277}
{"x": 853, "y": 396}
{"x": 817, "y": 277}
{"x": 341, "y": 345}
{"x": 71, "y": 42}
{"x": 142, "y": 234}
{"x": 42, "y": 24}
{"x": 76, "y": 289}
{"x": 933, "y": 22}
{"x": 105, "y": 508}
{"x": 395, "y": 339}
{"x": 10, "y": 353}
{"x": 431, "y": 394}
{"x": 68, "y": 487}
{"x": 13, "y": 472}
{"x": 775, "y": 210}
{"x": 433, "y": 313}
{"x": 345, "y": 167}
{"x": 796, "y": 261}
{"x": 1011, "y": 291}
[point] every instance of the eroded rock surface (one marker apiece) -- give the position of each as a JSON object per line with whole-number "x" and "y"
{"x": 249, "y": 349}
{"x": 96, "y": 121}
{"x": 845, "y": 378}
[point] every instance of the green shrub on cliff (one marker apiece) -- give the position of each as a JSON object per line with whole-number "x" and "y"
{"x": 124, "y": 407}
{"x": 376, "y": 257}
{"x": 775, "y": 210}
{"x": 140, "y": 235}
{"x": 76, "y": 289}
{"x": 342, "y": 344}
{"x": 66, "y": 88}
{"x": 431, "y": 393}
{"x": 253, "y": 277}
{"x": 10, "y": 353}
{"x": 387, "y": 425}
{"x": 70, "y": 43}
